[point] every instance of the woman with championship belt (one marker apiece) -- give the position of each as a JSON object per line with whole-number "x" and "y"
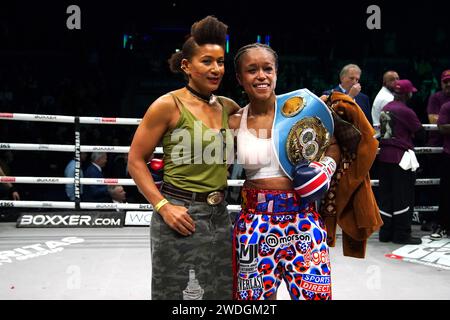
{"x": 278, "y": 234}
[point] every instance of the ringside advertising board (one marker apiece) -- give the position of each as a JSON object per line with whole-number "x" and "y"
{"x": 91, "y": 219}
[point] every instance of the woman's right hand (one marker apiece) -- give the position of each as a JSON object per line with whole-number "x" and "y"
{"x": 178, "y": 218}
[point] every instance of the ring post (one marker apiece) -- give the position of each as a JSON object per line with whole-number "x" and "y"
{"x": 77, "y": 164}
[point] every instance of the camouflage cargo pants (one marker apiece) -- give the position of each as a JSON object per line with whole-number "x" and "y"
{"x": 207, "y": 251}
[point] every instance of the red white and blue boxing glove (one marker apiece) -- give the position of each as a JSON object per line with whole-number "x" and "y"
{"x": 312, "y": 180}
{"x": 156, "y": 167}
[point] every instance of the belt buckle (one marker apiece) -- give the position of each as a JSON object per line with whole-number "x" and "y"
{"x": 214, "y": 198}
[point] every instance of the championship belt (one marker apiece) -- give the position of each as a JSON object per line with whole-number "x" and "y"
{"x": 302, "y": 128}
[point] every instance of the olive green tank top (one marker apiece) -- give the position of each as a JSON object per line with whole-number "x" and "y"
{"x": 194, "y": 153}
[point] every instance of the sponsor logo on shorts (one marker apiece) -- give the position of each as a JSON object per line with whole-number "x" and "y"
{"x": 248, "y": 258}
{"x": 320, "y": 257}
{"x": 316, "y": 283}
{"x": 250, "y": 283}
{"x": 5, "y": 146}
{"x": 317, "y": 279}
{"x": 7, "y": 179}
{"x": 248, "y": 268}
{"x": 6, "y": 115}
{"x": 274, "y": 241}
{"x": 307, "y": 258}
{"x": 248, "y": 253}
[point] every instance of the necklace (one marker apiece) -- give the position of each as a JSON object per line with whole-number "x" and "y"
{"x": 208, "y": 99}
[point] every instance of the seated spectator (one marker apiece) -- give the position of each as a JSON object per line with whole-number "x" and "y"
{"x": 69, "y": 172}
{"x": 117, "y": 193}
{"x": 101, "y": 193}
{"x": 96, "y": 193}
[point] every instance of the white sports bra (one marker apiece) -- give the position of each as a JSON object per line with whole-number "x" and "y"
{"x": 256, "y": 154}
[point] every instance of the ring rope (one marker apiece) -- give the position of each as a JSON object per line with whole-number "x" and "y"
{"x": 71, "y": 205}
{"x": 90, "y": 181}
{"x": 120, "y": 206}
{"x": 67, "y": 119}
{"x": 130, "y": 182}
{"x": 121, "y": 149}
{"x": 68, "y": 148}
{"x": 124, "y": 149}
{"x": 101, "y": 120}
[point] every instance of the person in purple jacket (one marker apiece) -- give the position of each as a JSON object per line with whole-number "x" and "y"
{"x": 435, "y": 102}
{"x": 443, "y": 228}
{"x": 399, "y": 125}
{"x": 434, "y": 163}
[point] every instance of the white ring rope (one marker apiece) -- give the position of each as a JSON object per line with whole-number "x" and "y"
{"x": 57, "y": 180}
{"x": 71, "y": 205}
{"x": 90, "y": 181}
{"x": 419, "y": 182}
{"x": 430, "y": 127}
{"x": 37, "y": 147}
{"x": 101, "y": 120}
{"x": 426, "y": 208}
{"x": 68, "y": 119}
{"x": 124, "y": 149}
{"x": 120, "y": 206}
{"x": 423, "y": 150}
{"x": 68, "y": 148}
{"x": 130, "y": 182}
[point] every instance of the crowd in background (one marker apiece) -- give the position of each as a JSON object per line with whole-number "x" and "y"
{"x": 123, "y": 82}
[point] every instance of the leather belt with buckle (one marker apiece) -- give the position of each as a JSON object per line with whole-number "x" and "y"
{"x": 212, "y": 198}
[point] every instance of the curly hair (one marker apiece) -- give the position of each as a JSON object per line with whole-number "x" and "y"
{"x": 209, "y": 30}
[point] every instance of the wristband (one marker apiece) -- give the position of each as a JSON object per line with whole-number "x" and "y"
{"x": 160, "y": 204}
{"x": 327, "y": 165}
{"x": 330, "y": 165}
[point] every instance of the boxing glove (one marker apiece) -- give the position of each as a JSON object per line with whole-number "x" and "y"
{"x": 156, "y": 167}
{"x": 312, "y": 180}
